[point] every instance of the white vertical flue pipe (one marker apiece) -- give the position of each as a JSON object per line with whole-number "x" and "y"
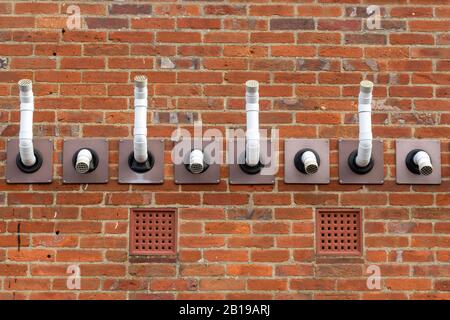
{"x": 140, "y": 119}
{"x": 26, "y": 148}
{"x": 252, "y": 148}
{"x": 365, "y": 124}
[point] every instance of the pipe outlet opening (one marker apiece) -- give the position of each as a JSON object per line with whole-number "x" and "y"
{"x": 25, "y": 85}
{"x": 307, "y": 161}
{"x": 85, "y": 161}
{"x": 419, "y": 162}
{"x": 140, "y": 81}
{"x": 26, "y": 148}
{"x": 197, "y": 162}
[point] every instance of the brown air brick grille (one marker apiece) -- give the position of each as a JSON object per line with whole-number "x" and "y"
{"x": 338, "y": 232}
{"x": 153, "y": 232}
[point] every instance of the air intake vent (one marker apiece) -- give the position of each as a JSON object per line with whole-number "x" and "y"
{"x": 338, "y": 232}
{"x": 153, "y": 232}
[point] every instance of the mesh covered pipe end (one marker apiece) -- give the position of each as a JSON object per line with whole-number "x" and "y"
{"x": 140, "y": 81}
{"x": 252, "y": 86}
{"x": 366, "y": 86}
{"x": 25, "y": 85}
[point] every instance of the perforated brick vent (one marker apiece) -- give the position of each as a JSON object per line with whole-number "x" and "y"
{"x": 153, "y": 232}
{"x": 338, "y": 231}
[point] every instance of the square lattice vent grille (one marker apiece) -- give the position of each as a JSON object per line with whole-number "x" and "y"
{"x": 338, "y": 232}
{"x": 153, "y": 232}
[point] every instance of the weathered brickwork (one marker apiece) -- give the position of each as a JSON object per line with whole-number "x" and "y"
{"x": 234, "y": 241}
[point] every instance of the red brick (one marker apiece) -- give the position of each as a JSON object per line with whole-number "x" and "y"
{"x": 272, "y": 10}
{"x": 226, "y": 255}
{"x": 106, "y": 23}
{"x": 270, "y": 37}
{"x": 133, "y": 9}
{"x": 30, "y": 198}
{"x": 312, "y": 284}
{"x": 267, "y": 285}
{"x": 408, "y": 284}
{"x": 178, "y": 37}
{"x": 227, "y": 228}
{"x": 249, "y": 270}
{"x": 270, "y": 255}
{"x": 36, "y": 8}
{"x": 222, "y": 284}
{"x": 198, "y": 23}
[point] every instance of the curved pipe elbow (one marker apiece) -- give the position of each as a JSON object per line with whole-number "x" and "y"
{"x": 84, "y": 161}
{"x": 310, "y": 162}
{"x": 423, "y": 161}
{"x": 196, "y": 161}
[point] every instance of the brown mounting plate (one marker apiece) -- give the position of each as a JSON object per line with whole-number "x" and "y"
{"x": 236, "y": 150}
{"x": 347, "y": 176}
{"x": 403, "y": 147}
{"x": 153, "y": 176}
{"x": 210, "y": 176}
{"x": 292, "y": 175}
{"x": 99, "y": 175}
{"x": 43, "y": 175}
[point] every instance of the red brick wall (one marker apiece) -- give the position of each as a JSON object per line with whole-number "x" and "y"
{"x": 235, "y": 241}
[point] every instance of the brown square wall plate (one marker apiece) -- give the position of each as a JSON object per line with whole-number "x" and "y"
{"x": 321, "y": 147}
{"x": 154, "y": 176}
{"x": 374, "y": 176}
{"x": 99, "y": 175}
{"x": 236, "y": 154}
{"x": 43, "y": 175}
{"x": 403, "y": 147}
{"x": 212, "y": 173}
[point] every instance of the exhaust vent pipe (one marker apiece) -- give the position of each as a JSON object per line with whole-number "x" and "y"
{"x": 307, "y": 161}
{"x": 197, "y": 162}
{"x": 419, "y": 162}
{"x": 26, "y": 149}
{"x": 360, "y": 160}
{"x": 84, "y": 162}
{"x": 310, "y": 162}
{"x": 252, "y": 148}
{"x": 140, "y": 119}
{"x": 140, "y": 160}
{"x": 365, "y": 124}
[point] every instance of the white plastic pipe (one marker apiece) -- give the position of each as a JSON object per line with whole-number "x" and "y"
{"x": 83, "y": 162}
{"x": 423, "y": 161}
{"x": 365, "y": 124}
{"x": 140, "y": 119}
{"x": 310, "y": 162}
{"x": 252, "y": 148}
{"x": 26, "y": 148}
{"x": 196, "y": 161}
